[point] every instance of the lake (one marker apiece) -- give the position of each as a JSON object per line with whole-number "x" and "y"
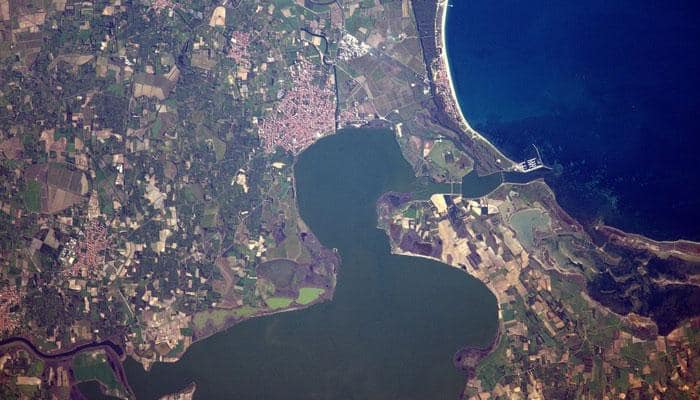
{"x": 607, "y": 90}
{"x": 393, "y": 326}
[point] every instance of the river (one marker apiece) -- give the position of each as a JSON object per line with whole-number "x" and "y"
{"x": 393, "y": 326}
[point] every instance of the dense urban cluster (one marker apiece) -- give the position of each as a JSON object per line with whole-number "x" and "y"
{"x": 9, "y": 299}
{"x": 305, "y": 113}
{"x": 238, "y": 50}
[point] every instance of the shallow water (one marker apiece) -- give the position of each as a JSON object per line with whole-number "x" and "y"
{"x": 525, "y": 221}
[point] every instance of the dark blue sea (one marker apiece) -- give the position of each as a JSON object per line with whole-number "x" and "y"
{"x": 609, "y": 91}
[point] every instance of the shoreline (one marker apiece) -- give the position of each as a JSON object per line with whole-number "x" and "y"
{"x": 678, "y": 247}
{"x": 500, "y": 328}
{"x": 398, "y": 252}
{"x": 442, "y": 6}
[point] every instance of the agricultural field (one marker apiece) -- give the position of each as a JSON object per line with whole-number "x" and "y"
{"x": 95, "y": 366}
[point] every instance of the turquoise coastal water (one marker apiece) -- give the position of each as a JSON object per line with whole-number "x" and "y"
{"x": 393, "y": 326}
{"x": 607, "y": 90}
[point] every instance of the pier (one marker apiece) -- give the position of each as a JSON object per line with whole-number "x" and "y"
{"x": 531, "y": 164}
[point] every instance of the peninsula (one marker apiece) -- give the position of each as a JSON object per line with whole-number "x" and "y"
{"x": 584, "y": 312}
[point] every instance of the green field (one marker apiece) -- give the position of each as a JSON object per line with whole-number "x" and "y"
{"x": 245, "y": 311}
{"x": 36, "y": 368}
{"x": 200, "y": 319}
{"x": 156, "y": 127}
{"x": 218, "y": 317}
{"x": 278, "y": 302}
{"x": 94, "y": 367}
{"x": 411, "y": 212}
{"x": 116, "y": 89}
{"x": 446, "y": 157}
{"x": 219, "y": 147}
{"x": 32, "y": 196}
{"x": 186, "y": 331}
{"x": 308, "y": 294}
{"x": 211, "y": 216}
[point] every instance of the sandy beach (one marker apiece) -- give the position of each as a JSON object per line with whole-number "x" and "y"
{"x": 443, "y": 6}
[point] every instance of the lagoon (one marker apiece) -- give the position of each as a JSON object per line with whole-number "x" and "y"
{"x": 393, "y": 326}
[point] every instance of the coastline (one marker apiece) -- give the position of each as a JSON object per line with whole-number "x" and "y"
{"x": 441, "y": 39}
{"x": 398, "y": 252}
{"x": 679, "y": 247}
